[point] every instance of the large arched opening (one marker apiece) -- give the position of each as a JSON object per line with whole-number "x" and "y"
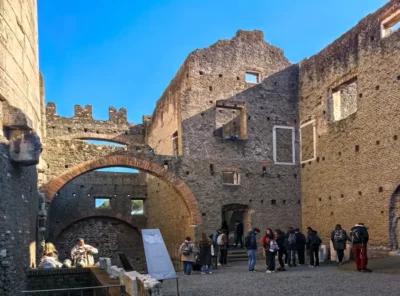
{"x": 51, "y": 188}
{"x": 72, "y": 198}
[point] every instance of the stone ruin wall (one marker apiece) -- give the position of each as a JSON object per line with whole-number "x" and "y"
{"x": 20, "y": 109}
{"x": 355, "y": 172}
{"x": 218, "y": 73}
{"x": 72, "y": 214}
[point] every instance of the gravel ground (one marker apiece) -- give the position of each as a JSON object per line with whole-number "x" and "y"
{"x": 325, "y": 280}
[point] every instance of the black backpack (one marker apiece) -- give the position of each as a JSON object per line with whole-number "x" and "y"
{"x": 247, "y": 241}
{"x": 358, "y": 235}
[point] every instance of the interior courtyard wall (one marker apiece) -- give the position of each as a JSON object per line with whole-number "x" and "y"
{"x": 355, "y": 171}
{"x": 218, "y": 73}
{"x": 19, "y": 91}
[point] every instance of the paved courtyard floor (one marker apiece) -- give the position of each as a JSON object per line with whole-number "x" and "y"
{"x": 326, "y": 280}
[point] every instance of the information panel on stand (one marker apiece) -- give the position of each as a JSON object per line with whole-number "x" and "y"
{"x": 159, "y": 264}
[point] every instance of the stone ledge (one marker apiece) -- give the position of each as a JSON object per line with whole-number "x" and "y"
{"x": 56, "y": 271}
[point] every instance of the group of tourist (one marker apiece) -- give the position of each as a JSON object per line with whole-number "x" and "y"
{"x": 81, "y": 256}
{"x": 289, "y": 247}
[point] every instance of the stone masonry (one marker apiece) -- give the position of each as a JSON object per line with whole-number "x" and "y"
{"x": 240, "y": 133}
{"x": 355, "y": 173}
{"x": 21, "y": 105}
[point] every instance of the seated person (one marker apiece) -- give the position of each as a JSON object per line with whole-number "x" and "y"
{"x": 82, "y": 255}
{"x": 50, "y": 257}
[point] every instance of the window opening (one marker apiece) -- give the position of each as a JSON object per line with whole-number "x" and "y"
{"x": 252, "y": 77}
{"x": 175, "y": 150}
{"x": 137, "y": 207}
{"x": 231, "y": 178}
{"x": 344, "y": 99}
{"x": 102, "y": 203}
{"x": 390, "y": 24}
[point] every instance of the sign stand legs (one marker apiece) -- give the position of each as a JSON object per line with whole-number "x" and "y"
{"x": 177, "y": 287}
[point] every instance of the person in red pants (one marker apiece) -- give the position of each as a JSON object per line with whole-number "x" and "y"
{"x": 359, "y": 237}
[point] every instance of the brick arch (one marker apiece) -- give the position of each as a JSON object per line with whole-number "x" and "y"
{"x": 83, "y": 216}
{"x": 120, "y": 139}
{"x": 52, "y": 187}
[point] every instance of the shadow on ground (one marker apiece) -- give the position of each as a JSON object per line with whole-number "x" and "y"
{"x": 390, "y": 265}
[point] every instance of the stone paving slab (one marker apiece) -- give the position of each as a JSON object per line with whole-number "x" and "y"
{"x": 325, "y": 280}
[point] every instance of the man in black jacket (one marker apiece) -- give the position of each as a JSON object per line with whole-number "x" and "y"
{"x": 239, "y": 234}
{"x": 300, "y": 246}
{"x": 359, "y": 237}
{"x": 280, "y": 240}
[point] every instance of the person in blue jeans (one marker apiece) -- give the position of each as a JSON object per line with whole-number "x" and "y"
{"x": 251, "y": 246}
{"x": 188, "y": 255}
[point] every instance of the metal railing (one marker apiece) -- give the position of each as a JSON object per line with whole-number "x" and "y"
{"x": 77, "y": 291}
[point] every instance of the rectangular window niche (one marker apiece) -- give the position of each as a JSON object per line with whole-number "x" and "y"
{"x": 283, "y": 142}
{"x": 308, "y": 143}
{"x": 230, "y": 177}
{"x": 231, "y": 120}
{"x": 344, "y": 99}
{"x": 390, "y": 24}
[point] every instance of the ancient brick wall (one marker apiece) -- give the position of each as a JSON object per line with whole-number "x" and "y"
{"x": 108, "y": 235}
{"x": 61, "y": 279}
{"x": 19, "y": 63}
{"x": 19, "y": 204}
{"x": 20, "y": 108}
{"x": 355, "y": 171}
{"x": 83, "y": 126}
{"x": 214, "y": 81}
{"x": 166, "y": 210}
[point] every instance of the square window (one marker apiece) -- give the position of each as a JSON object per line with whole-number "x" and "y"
{"x": 137, "y": 207}
{"x": 252, "y": 77}
{"x": 102, "y": 203}
{"x": 390, "y": 24}
{"x": 231, "y": 178}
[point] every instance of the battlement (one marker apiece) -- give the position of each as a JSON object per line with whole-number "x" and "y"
{"x": 86, "y": 113}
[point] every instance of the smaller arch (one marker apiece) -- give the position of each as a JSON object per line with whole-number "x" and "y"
{"x": 119, "y": 139}
{"x": 83, "y": 216}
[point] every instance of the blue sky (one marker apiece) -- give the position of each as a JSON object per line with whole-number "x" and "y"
{"x": 125, "y": 55}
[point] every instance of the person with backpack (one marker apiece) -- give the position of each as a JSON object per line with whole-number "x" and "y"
{"x": 205, "y": 254}
{"x": 216, "y": 246}
{"x": 223, "y": 242}
{"x": 313, "y": 244}
{"x": 188, "y": 255}
{"x": 300, "y": 246}
{"x": 273, "y": 249}
{"x": 250, "y": 243}
{"x": 280, "y": 240}
{"x": 269, "y": 235}
{"x": 339, "y": 239}
{"x": 291, "y": 247}
{"x": 359, "y": 237}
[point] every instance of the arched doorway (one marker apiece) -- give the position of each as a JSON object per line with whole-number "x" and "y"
{"x": 232, "y": 213}
{"x": 52, "y": 187}
{"x": 394, "y": 219}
